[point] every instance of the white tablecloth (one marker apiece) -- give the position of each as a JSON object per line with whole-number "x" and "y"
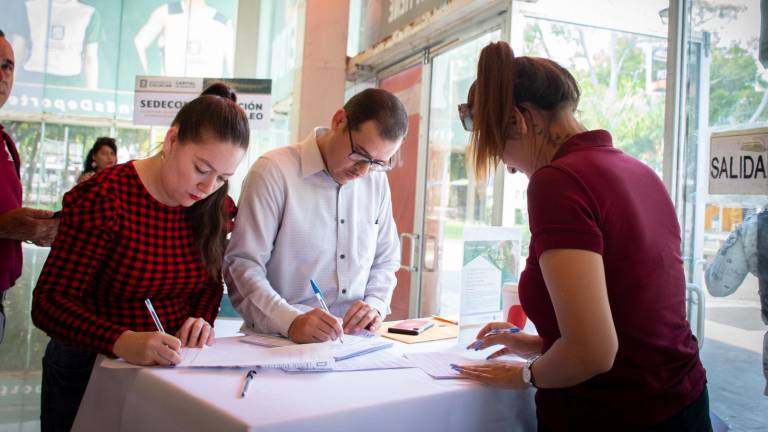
{"x": 152, "y": 399}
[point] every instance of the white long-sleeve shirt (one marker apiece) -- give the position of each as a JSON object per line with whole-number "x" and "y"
{"x": 295, "y": 223}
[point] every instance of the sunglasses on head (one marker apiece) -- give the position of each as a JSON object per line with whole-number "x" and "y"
{"x": 465, "y": 115}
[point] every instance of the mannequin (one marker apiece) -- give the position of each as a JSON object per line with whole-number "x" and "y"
{"x": 195, "y": 38}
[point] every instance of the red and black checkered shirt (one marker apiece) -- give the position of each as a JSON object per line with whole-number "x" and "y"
{"x": 117, "y": 246}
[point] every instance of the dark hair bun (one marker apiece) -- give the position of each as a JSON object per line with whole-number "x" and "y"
{"x": 220, "y": 89}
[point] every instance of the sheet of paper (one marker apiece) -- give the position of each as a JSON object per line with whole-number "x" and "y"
{"x": 354, "y": 345}
{"x": 230, "y": 352}
{"x": 267, "y": 340}
{"x": 374, "y": 361}
{"x": 361, "y": 345}
{"x": 378, "y": 360}
{"x": 438, "y": 364}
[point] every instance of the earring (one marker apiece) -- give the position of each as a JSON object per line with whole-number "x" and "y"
{"x": 93, "y": 164}
{"x": 162, "y": 155}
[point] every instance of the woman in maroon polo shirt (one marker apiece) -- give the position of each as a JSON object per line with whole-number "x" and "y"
{"x": 147, "y": 229}
{"x": 604, "y": 280}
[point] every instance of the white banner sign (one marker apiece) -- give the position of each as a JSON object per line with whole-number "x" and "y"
{"x": 158, "y": 99}
{"x": 738, "y": 162}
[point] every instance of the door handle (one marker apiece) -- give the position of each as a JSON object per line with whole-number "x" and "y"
{"x": 435, "y": 252}
{"x": 413, "y": 237}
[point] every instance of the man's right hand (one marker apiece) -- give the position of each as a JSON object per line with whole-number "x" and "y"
{"x": 314, "y": 326}
{"x": 26, "y": 224}
{"x": 148, "y": 348}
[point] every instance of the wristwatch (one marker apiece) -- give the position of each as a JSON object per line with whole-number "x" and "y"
{"x": 527, "y": 375}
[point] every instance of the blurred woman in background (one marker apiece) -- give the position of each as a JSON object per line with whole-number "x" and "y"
{"x": 101, "y": 156}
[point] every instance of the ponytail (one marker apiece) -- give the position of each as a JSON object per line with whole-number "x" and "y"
{"x": 504, "y": 83}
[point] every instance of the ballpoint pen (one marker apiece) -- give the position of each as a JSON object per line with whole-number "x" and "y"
{"x": 321, "y": 300}
{"x": 476, "y": 344}
{"x": 155, "y": 318}
{"x": 247, "y": 383}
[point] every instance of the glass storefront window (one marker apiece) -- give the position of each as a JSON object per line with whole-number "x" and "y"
{"x": 453, "y": 198}
{"x": 726, "y": 91}
{"x": 618, "y": 57}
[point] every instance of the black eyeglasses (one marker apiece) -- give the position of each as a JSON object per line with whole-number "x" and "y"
{"x": 465, "y": 115}
{"x": 358, "y": 157}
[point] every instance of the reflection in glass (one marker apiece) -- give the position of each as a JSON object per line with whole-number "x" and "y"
{"x": 453, "y": 198}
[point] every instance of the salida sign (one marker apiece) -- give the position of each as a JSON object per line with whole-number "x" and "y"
{"x": 738, "y": 162}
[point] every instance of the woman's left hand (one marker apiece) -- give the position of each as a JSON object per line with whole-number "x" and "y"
{"x": 195, "y": 332}
{"x": 507, "y": 375}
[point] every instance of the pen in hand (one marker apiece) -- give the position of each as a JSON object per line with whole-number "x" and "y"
{"x": 476, "y": 344}
{"x": 321, "y": 300}
{"x": 155, "y": 318}
{"x": 247, "y": 383}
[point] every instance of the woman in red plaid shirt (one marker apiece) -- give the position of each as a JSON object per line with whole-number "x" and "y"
{"x": 153, "y": 228}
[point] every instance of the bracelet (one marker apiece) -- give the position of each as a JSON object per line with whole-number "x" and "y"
{"x": 528, "y": 372}
{"x": 530, "y": 367}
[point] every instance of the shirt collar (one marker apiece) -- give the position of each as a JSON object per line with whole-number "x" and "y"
{"x": 311, "y": 159}
{"x": 584, "y": 140}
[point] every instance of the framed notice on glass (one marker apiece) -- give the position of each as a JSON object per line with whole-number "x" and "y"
{"x": 491, "y": 258}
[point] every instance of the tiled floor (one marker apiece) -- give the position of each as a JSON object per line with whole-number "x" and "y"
{"x": 731, "y": 354}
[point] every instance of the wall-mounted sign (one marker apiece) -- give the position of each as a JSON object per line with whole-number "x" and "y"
{"x": 158, "y": 99}
{"x": 738, "y": 162}
{"x": 397, "y": 14}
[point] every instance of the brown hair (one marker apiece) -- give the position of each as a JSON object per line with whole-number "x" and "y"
{"x": 214, "y": 115}
{"x": 100, "y": 142}
{"x": 505, "y": 82}
{"x": 381, "y": 106}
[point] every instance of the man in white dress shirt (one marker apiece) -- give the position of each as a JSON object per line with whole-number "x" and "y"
{"x": 320, "y": 209}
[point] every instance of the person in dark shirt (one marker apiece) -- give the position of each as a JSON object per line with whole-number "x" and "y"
{"x": 604, "y": 281}
{"x": 17, "y": 223}
{"x": 147, "y": 229}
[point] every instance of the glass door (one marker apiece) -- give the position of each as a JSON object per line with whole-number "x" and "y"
{"x": 452, "y": 198}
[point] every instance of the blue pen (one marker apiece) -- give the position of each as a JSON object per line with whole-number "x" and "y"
{"x": 475, "y": 345}
{"x": 321, "y": 300}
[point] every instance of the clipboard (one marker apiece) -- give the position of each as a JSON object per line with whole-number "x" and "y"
{"x": 443, "y": 329}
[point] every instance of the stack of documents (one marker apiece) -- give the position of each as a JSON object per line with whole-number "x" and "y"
{"x": 229, "y": 352}
{"x": 365, "y": 351}
{"x": 353, "y": 346}
{"x": 438, "y": 364}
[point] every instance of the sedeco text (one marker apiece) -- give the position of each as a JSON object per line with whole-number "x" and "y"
{"x": 163, "y": 104}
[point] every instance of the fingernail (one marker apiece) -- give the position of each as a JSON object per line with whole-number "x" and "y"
{"x": 457, "y": 368}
